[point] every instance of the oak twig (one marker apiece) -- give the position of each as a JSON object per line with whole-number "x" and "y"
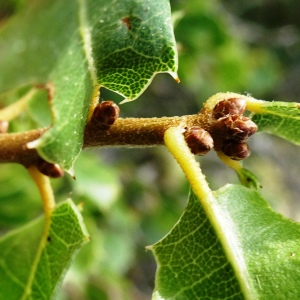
{"x": 221, "y": 117}
{"x": 12, "y": 111}
{"x": 125, "y": 132}
{"x": 43, "y": 183}
{"x": 140, "y": 132}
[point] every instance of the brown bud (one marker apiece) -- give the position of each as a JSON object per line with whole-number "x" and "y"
{"x": 199, "y": 140}
{"x": 3, "y": 126}
{"x": 236, "y": 150}
{"x": 239, "y": 127}
{"x": 105, "y": 114}
{"x": 232, "y": 106}
{"x": 49, "y": 169}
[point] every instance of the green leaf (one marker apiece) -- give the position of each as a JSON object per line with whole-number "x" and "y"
{"x": 192, "y": 263}
{"x": 280, "y": 118}
{"x": 33, "y": 262}
{"x": 132, "y": 41}
{"x": 18, "y": 203}
{"x": 248, "y": 179}
{"x": 33, "y": 52}
{"x": 77, "y": 45}
{"x": 102, "y": 189}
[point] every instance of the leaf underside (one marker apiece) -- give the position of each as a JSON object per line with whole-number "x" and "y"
{"x": 77, "y": 45}
{"x": 20, "y": 260}
{"x": 192, "y": 263}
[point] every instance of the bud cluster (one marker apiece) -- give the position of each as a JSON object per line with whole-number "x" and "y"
{"x": 49, "y": 169}
{"x": 232, "y": 106}
{"x": 236, "y": 128}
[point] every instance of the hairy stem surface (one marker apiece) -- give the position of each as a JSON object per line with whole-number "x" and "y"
{"x": 125, "y": 132}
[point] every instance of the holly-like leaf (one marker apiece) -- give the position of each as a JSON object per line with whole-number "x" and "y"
{"x": 280, "y": 118}
{"x": 77, "y": 45}
{"x": 33, "y": 261}
{"x": 192, "y": 263}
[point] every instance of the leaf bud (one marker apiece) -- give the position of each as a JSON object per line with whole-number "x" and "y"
{"x": 239, "y": 127}
{"x": 232, "y": 106}
{"x": 50, "y": 169}
{"x": 105, "y": 114}
{"x": 236, "y": 150}
{"x": 199, "y": 140}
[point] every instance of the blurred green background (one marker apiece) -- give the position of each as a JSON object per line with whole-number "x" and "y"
{"x": 132, "y": 197}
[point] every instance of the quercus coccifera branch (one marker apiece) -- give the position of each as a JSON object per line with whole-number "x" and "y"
{"x": 125, "y": 132}
{"x": 139, "y": 132}
{"x": 223, "y": 128}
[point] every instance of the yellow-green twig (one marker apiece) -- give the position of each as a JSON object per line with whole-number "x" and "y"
{"x": 222, "y": 225}
{"x": 46, "y": 192}
{"x": 176, "y": 144}
{"x": 10, "y": 112}
{"x": 44, "y": 186}
{"x": 233, "y": 164}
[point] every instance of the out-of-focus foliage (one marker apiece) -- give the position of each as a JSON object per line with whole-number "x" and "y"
{"x": 214, "y": 56}
{"x": 131, "y": 198}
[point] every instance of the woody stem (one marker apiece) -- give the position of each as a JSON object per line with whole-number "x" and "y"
{"x": 125, "y": 132}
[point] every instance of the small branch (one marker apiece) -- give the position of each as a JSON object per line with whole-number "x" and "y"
{"x": 140, "y": 132}
{"x": 13, "y": 147}
{"x": 225, "y": 123}
{"x": 126, "y": 132}
{"x": 233, "y": 164}
{"x": 12, "y": 111}
{"x": 43, "y": 183}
